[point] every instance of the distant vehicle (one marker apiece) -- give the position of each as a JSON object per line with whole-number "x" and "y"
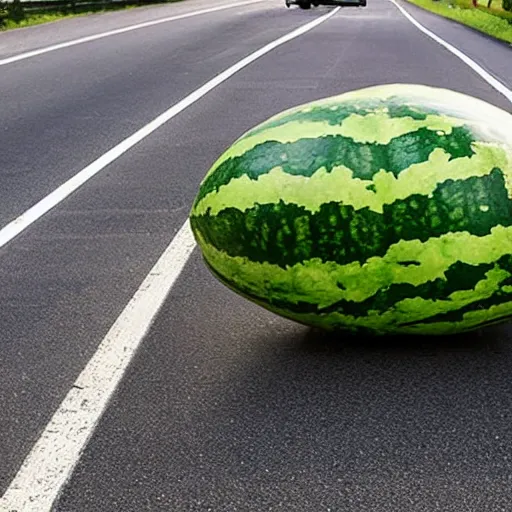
{"x": 306, "y": 4}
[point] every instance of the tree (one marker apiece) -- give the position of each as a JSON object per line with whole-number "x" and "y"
{"x": 15, "y": 11}
{"x": 507, "y": 5}
{"x": 3, "y": 13}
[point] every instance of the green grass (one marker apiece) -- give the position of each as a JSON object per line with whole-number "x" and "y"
{"x": 492, "y": 21}
{"x": 38, "y": 18}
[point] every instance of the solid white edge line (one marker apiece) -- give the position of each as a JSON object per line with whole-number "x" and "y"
{"x": 19, "y": 224}
{"x": 94, "y": 37}
{"x": 54, "y": 456}
{"x": 491, "y": 80}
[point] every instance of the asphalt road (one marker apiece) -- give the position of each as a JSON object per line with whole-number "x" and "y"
{"x": 225, "y": 407}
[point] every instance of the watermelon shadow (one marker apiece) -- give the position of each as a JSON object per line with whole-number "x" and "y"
{"x": 488, "y": 339}
{"x": 382, "y": 419}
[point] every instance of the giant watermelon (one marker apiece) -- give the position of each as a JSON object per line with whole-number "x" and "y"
{"x": 384, "y": 210}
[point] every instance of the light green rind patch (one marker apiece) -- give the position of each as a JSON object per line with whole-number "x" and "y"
{"x": 377, "y": 127}
{"x": 380, "y": 128}
{"x": 495, "y": 122}
{"x": 339, "y": 185}
{"x": 324, "y": 284}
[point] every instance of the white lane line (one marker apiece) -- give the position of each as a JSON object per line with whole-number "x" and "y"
{"x": 94, "y": 37}
{"x": 491, "y": 80}
{"x": 51, "y": 461}
{"x": 21, "y": 223}
{"x": 55, "y": 454}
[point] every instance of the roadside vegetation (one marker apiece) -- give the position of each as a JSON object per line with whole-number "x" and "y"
{"x": 17, "y": 14}
{"x": 493, "y": 17}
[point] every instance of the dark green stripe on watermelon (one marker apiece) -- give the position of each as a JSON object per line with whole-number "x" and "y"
{"x": 306, "y": 156}
{"x": 283, "y": 234}
{"x": 334, "y": 117}
{"x": 459, "y": 276}
{"x": 499, "y": 297}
